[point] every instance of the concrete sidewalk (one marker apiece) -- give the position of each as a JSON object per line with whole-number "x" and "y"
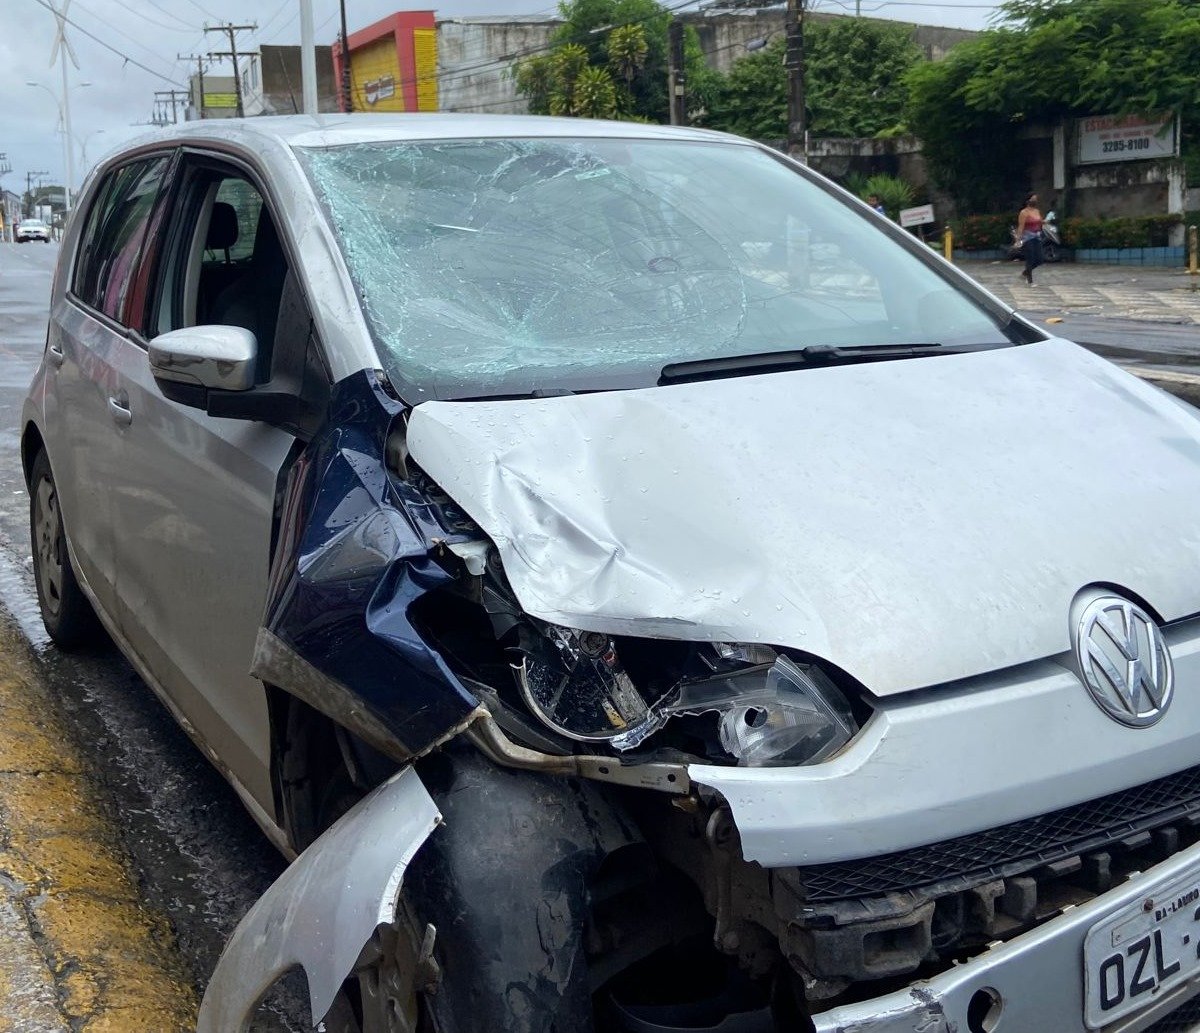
{"x": 1150, "y": 294}
{"x": 79, "y": 950}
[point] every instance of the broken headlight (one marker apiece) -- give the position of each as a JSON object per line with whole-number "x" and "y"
{"x": 770, "y": 709}
{"x": 573, "y": 681}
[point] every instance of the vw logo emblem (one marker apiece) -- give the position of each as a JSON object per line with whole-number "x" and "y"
{"x": 1124, "y": 661}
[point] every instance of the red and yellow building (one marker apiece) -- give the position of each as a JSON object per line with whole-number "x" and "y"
{"x": 393, "y": 64}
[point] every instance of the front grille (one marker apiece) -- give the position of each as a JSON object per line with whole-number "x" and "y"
{"x": 1011, "y": 849}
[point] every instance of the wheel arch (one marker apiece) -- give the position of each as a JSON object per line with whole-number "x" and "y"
{"x": 31, "y": 444}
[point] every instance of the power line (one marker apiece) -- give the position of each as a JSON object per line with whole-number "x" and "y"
{"x": 121, "y": 32}
{"x": 151, "y": 21}
{"x": 191, "y": 26}
{"x": 205, "y": 11}
{"x": 231, "y": 32}
{"x": 501, "y": 64}
{"x": 277, "y": 12}
{"x": 108, "y": 46}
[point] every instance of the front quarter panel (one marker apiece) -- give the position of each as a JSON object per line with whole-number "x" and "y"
{"x": 318, "y": 915}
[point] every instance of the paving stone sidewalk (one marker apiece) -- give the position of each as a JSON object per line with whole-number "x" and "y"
{"x": 1144, "y": 293}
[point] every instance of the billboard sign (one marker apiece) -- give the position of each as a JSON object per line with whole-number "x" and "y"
{"x": 379, "y": 89}
{"x": 918, "y": 216}
{"x": 1106, "y": 138}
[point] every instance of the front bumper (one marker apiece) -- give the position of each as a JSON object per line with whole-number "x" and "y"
{"x": 949, "y": 762}
{"x": 1038, "y": 977}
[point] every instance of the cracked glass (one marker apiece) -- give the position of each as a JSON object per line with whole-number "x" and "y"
{"x": 493, "y": 267}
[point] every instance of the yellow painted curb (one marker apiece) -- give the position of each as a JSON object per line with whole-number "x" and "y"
{"x": 105, "y": 961}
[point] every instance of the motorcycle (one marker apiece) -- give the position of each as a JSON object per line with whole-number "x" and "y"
{"x": 1052, "y": 245}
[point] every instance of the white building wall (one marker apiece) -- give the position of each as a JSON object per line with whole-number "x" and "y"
{"x": 476, "y": 57}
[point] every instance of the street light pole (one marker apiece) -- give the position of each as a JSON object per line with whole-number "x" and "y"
{"x": 67, "y": 138}
{"x": 64, "y": 114}
{"x": 84, "y": 143}
{"x": 308, "y": 59}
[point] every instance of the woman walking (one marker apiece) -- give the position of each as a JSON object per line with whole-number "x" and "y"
{"x": 1029, "y": 233}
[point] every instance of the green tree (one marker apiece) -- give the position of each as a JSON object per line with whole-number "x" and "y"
{"x": 854, "y": 82}
{"x": 627, "y": 51}
{"x": 627, "y": 40}
{"x": 1051, "y": 59}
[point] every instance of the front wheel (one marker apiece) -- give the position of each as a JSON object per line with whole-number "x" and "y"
{"x": 66, "y": 611}
{"x": 1051, "y": 252}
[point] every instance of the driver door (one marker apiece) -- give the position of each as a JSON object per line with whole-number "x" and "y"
{"x": 194, "y": 510}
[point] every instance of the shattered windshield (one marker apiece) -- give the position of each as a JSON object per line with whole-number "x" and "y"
{"x": 513, "y": 266}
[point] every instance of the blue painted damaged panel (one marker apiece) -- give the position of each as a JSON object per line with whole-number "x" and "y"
{"x": 353, "y": 555}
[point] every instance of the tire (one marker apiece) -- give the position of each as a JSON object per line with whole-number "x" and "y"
{"x": 66, "y": 612}
{"x": 1051, "y": 251}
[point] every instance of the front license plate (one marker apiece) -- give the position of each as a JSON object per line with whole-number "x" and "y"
{"x": 1136, "y": 955}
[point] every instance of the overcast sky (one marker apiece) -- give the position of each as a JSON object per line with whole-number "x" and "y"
{"x": 154, "y": 32}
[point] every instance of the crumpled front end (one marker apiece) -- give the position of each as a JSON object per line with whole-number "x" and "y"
{"x": 354, "y": 552}
{"x": 786, "y": 655}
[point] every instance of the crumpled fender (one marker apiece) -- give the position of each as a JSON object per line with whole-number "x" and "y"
{"x": 320, "y": 913}
{"x": 352, "y": 555}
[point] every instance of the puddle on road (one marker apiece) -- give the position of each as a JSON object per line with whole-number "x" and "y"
{"x": 18, "y": 597}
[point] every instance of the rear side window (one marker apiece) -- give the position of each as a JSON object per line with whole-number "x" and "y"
{"x": 114, "y": 235}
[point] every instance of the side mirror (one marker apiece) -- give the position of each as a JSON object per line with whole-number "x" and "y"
{"x": 221, "y": 358}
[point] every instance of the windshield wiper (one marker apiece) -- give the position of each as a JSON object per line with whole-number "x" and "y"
{"x": 813, "y": 355}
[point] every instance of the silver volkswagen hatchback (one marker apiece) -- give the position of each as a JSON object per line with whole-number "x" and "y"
{"x": 643, "y": 588}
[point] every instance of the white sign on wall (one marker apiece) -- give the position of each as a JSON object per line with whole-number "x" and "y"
{"x": 918, "y": 216}
{"x": 1105, "y": 138}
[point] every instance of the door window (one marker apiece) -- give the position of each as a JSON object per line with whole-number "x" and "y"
{"x": 227, "y": 265}
{"x": 113, "y": 238}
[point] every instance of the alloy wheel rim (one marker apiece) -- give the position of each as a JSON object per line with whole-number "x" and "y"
{"x": 389, "y": 1004}
{"x": 48, "y": 545}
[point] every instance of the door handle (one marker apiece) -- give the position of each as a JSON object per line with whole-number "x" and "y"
{"x": 122, "y": 415}
{"x": 56, "y": 355}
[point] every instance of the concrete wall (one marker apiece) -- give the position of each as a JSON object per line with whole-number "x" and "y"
{"x": 723, "y": 37}
{"x": 475, "y": 55}
{"x": 897, "y": 156}
{"x": 475, "y": 58}
{"x": 270, "y": 84}
{"x": 282, "y": 91}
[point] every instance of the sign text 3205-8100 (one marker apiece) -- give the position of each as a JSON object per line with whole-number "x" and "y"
{"x": 1132, "y": 144}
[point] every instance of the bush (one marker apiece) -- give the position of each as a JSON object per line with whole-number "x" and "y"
{"x": 1144, "y": 231}
{"x": 893, "y": 193}
{"x": 984, "y": 232}
{"x": 995, "y": 231}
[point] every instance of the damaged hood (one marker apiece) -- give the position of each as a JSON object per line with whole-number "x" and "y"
{"x": 912, "y": 522}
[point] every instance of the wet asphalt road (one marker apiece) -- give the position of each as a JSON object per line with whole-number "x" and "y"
{"x": 201, "y": 859}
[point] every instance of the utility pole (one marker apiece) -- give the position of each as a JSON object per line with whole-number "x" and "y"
{"x": 231, "y": 31}
{"x": 175, "y": 97}
{"x": 29, "y": 178}
{"x": 199, "y": 59}
{"x": 347, "y": 99}
{"x": 676, "y": 84}
{"x": 797, "y": 138}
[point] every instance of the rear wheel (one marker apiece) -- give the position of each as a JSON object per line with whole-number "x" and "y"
{"x": 66, "y": 611}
